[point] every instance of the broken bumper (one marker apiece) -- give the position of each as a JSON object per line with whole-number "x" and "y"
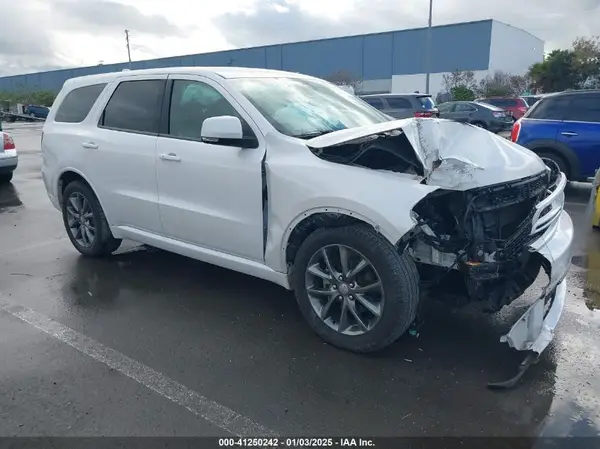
{"x": 535, "y": 329}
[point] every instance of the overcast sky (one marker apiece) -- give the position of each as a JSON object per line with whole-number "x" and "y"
{"x": 45, "y": 34}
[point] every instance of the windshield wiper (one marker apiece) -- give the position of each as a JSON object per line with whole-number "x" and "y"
{"x": 313, "y": 134}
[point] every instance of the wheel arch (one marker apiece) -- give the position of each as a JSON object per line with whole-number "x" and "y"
{"x": 67, "y": 176}
{"x": 560, "y": 149}
{"x": 308, "y": 222}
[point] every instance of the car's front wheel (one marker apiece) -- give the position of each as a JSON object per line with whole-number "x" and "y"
{"x": 354, "y": 289}
{"x": 85, "y": 221}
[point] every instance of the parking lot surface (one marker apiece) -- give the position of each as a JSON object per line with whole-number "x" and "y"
{"x": 147, "y": 343}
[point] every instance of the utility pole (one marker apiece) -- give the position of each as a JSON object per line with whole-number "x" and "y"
{"x": 128, "y": 48}
{"x": 428, "y": 51}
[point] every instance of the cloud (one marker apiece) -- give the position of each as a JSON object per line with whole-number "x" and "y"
{"x": 24, "y": 45}
{"x": 106, "y": 16}
{"x": 276, "y": 21}
{"x": 34, "y": 31}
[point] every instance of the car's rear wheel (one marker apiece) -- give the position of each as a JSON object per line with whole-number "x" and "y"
{"x": 6, "y": 177}
{"x": 558, "y": 160}
{"x": 354, "y": 289}
{"x": 85, "y": 221}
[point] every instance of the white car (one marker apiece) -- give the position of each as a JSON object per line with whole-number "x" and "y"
{"x": 9, "y": 159}
{"x": 291, "y": 179}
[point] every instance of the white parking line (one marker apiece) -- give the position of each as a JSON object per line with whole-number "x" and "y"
{"x": 211, "y": 411}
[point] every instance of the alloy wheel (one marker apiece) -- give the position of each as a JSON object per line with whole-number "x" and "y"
{"x": 80, "y": 220}
{"x": 344, "y": 289}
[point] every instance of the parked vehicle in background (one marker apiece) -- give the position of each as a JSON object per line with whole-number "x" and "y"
{"x": 36, "y": 111}
{"x": 290, "y": 179}
{"x": 516, "y": 106}
{"x": 8, "y": 157}
{"x": 531, "y": 99}
{"x": 565, "y": 128}
{"x": 481, "y": 115}
{"x": 403, "y": 105}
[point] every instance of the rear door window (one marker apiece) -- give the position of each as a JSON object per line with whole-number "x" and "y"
{"x": 464, "y": 107}
{"x": 135, "y": 106}
{"x": 78, "y": 103}
{"x": 584, "y": 108}
{"x": 375, "y": 102}
{"x": 398, "y": 103}
{"x": 446, "y": 107}
{"x": 550, "y": 109}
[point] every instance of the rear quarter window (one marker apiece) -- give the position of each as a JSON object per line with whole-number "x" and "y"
{"x": 426, "y": 102}
{"x": 77, "y": 104}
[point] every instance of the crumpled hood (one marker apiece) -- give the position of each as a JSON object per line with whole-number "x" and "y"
{"x": 454, "y": 155}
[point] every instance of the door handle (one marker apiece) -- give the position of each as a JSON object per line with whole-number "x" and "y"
{"x": 89, "y": 145}
{"x": 170, "y": 157}
{"x": 569, "y": 134}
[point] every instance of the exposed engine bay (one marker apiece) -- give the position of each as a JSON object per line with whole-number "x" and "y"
{"x": 391, "y": 151}
{"x": 473, "y": 244}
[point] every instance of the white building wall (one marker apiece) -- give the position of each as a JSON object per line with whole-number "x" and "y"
{"x": 402, "y": 84}
{"x": 513, "y": 50}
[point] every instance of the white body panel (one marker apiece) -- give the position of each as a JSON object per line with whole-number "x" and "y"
{"x": 205, "y": 200}
{"x": 211, "y": 195}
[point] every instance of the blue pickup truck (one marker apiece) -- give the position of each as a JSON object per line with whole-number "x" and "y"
{"x": 564, "y": 127}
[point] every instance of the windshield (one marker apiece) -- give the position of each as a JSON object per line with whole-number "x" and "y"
{"x": 306, "y": 108}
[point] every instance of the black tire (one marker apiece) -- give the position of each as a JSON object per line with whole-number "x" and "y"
{"x": 479, "y": 125}
{"x": 558, "y": 160}
{"x": 104, "y": 243}
{"x": 399, "y": 278}
{"x": 6, "y": 177}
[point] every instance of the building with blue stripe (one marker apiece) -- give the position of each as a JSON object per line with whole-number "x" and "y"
{"x": 394, "y": 61}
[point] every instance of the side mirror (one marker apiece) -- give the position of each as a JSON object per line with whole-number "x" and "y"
{"x": 224, "y": 128}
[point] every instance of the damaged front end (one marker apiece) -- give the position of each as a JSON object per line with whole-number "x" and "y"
{"x": 483, "y": 235}
{"x": 487, "y": 245}
{"x": 494, "y": 222}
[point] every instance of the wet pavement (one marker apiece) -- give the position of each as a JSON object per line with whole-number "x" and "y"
{"x": 75, "y": 327}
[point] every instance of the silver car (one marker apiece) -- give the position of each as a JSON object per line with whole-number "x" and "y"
{"x": 8, "y": 157}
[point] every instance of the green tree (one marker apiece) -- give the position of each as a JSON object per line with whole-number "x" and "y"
{"x": 502, "y": 84}
{"x": 556, "y": 73}
{"x": 586, "y": 61}
{"x": 462, "y": 93}
{"x": 460, "y": 82}
{"x": 39, "y": 97}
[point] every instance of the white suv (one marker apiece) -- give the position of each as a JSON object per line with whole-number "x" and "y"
{"x": 290, "y": 179}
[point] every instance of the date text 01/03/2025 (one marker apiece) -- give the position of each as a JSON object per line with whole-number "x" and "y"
{"x": 295, "y": 442}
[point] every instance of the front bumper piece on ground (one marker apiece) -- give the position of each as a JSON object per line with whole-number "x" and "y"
{"x": 534, "y": 331}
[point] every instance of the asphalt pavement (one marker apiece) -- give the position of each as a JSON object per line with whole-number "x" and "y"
{"x": 147, "y": 343}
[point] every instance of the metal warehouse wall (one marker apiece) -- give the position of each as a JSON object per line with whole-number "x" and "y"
{"x": 464, "y": 46}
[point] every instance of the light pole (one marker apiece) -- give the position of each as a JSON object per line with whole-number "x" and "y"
{"x": 428, "y": 51}
{"x": 128, "y": 47}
